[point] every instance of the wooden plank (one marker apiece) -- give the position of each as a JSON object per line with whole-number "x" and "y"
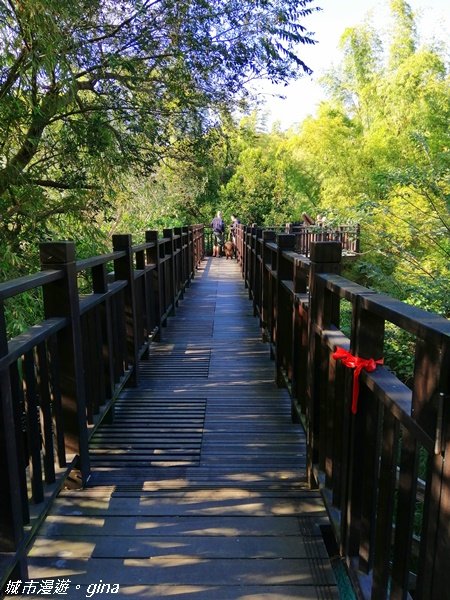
{"x": 200, "y": 592}
{"x": 386, "y": 501}
{"x": 225, "y": 507}
{"x": 222, "y": 475}
{"x": 193, "y": 570}
{"x": 149, "y": 489}
{"x": 212, "y": 547}
{"x": 160, "y": 526}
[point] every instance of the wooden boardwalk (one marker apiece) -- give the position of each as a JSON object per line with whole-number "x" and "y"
{"x": 198, "y": 489}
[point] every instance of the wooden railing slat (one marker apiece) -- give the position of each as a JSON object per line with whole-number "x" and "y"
{"x": 9, "y": 289}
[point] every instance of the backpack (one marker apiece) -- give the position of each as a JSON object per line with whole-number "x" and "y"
{"x": 217, "y": 225}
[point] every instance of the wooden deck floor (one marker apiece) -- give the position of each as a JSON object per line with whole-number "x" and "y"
{"x": 197, "y": 490}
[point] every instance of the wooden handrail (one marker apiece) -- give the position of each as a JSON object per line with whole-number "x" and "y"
{"x": 61, "y": 377}
{"x": 392, "y": 532}
{"x": 9, "y": 289}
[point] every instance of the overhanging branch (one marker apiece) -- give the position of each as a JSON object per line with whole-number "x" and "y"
{"x": 60, "y": 185}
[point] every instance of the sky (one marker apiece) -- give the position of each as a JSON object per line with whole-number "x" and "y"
{"x": 303, "y": 96}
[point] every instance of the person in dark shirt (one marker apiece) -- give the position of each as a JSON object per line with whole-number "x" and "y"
{"x": 218, "y": 228}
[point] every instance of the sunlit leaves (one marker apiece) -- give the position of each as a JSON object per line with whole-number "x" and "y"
{"x": 92, "y": 90}
{"x": 381, "y": 150}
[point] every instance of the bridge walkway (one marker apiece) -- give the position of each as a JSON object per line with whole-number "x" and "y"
{"x": 198, "y": 486}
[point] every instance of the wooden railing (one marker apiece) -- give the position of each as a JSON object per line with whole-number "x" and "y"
{"x": 305, "y": 235}
{"x": 60, "y": 377}
{"x": 385, "y": 471}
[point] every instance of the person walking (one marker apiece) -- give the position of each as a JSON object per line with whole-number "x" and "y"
{"x": 218, "y": 229}
{"x": 234, "y": 223}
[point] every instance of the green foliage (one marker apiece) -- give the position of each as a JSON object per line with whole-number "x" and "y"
{"x": 95, "y": 94}
{"x": 380, "y": 149}
{"x": 399, "y": 347}
{"x": 270, "y": 183}
{"x": 403, "y": 44}
{"x": 22, "y": 311}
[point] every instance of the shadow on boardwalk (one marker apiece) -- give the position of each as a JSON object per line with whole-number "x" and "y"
{"x": 198, "y": 488}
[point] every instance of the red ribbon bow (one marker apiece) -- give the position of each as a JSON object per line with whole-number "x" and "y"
{"x": 354, "y": 362}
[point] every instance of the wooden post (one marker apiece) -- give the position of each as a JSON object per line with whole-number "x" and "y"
{"x": 124, "y": 270}
{"x": 11, "y": 501}
{"x": 143, "y": 309}
{"x": 201, "y": 246}
{"x": 358, "y": 239}
{"x": 168, "y": 233}
{"x": 247, "y": 256}
{"x": 434, "y": 559}
{"x": 325, "y": 257}
{"x": 299, "y": 339}
{"x": 257, "y": 273}
{"x": 190, "y": 253}
{"x": 197, "y": 246}
{"x": 239, "y": 245}
{"x": 186, "y": 255}
{"x": 441, "y": 496}
{"x": 266, "y": 292}
{"x": 61, "y": 300}
{"x": 178, "y": 262}
{"x": 251, "y": 262}
{"x": 283, "y": 318}
{"x": 366, "y": 342}
{"x": 193, "y": 253}
{"x": 151, "y": 237}
{"x": 196, "y": 239}
{"x": 100, "y": 286}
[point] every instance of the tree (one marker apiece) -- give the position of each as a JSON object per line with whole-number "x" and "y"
{"x": 355, "y": 84}
{"x": 178, "y": 192}
{"x": 404, "y": 35}
{"x": 268, "y": 184}
{"x": 379, "y": 148}
{"x": 91, "y": 88}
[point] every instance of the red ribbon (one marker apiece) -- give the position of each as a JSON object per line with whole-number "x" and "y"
{"x": 354, "y": 362}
